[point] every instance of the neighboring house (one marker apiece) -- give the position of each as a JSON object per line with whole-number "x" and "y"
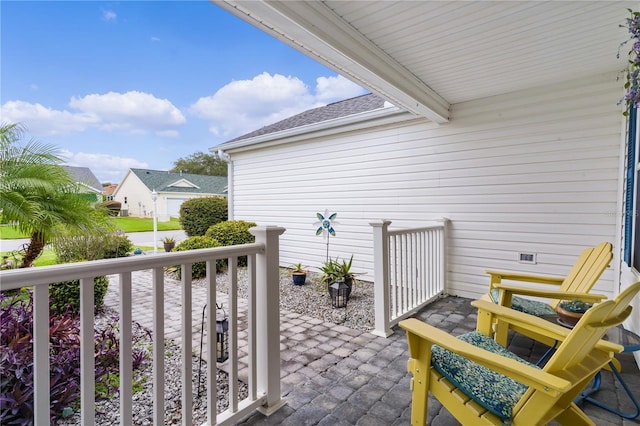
{"x": 134, "y": 192}
{"x": 109, "y": 190}
{"x": 508, "y": 121}
{"x": 85, "y": 178}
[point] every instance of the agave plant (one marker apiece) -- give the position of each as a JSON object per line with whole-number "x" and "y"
{"x": 576, "y": 305}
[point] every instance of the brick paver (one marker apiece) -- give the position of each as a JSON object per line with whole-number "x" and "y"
{"x": 332, "y": 375}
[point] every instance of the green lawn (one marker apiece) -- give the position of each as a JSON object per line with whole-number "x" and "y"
{"x": 137, "y": 224}
{"x": 48, "y": 257}
{"x": 127, "y": 224}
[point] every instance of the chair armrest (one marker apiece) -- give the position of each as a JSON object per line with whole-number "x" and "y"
{"x": 535, "y": 324}
{"x": 517, "y": 276}
{"x": 523, "y": 373}
{"x": 550, "y": 294}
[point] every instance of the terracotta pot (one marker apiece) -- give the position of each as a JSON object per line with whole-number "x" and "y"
{"x": 568, "y": 318}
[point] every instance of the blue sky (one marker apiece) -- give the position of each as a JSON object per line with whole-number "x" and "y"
{"x": 115, "y": 85}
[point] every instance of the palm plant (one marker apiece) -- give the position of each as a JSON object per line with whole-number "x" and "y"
{"x": 36, "y": 193}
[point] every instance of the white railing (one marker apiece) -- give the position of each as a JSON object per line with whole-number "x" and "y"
{"x": 409, "y": 271}
{"x": 263, "y": 328}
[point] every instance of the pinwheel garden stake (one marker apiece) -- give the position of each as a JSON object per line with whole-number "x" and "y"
{"x": 325, "y": 226}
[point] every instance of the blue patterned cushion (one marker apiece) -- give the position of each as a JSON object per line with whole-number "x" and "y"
{"x": 531, "y": 307}
{"x": 494, "y": 391}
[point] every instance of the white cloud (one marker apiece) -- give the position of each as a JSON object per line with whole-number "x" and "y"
{"x": 109, "y": 15}
{"x": 246, "y": 105}
{"x": 106, "y": 167}
{"x": 331, "y": 89}
{"x": 133, "y": 112}
{"x": 41, "y": 120}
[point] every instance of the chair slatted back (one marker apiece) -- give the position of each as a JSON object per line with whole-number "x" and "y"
{"x": 586, "y": 270}
{"x": 577, "y": 359}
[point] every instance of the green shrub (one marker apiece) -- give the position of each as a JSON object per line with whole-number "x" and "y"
{"x": 91, "y": 244}
{"x": 118, "y": 245}
{"x": 233, "y": 232}
{"x": 198, "y": 269}
{"x": 66, "y": 295}
{"x": 198, "y": 214}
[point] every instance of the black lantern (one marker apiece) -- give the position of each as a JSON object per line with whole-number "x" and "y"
{"x": 222, "y": 335}
{"x": 339, "y": 292}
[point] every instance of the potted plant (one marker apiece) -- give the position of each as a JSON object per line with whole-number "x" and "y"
{"x": 570, "y": 311}
{"x": 335, "y": 270}
{"x": 169, "y": 243}
{"x": 298, "y": 274}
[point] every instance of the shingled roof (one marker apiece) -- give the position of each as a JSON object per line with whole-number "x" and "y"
{"x": 332, "y": 111}
{"x": 85, "y": 176}
{"x": 164, "y": 181}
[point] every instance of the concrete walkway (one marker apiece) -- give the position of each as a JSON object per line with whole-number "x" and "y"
{"x": 333, "y": 375}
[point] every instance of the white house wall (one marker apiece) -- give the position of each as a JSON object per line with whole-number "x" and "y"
{"x": 533, "y": 171}
{"x": 139, "y": 203}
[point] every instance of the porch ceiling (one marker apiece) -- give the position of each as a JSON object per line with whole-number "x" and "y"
{"x": 426, "y": 55}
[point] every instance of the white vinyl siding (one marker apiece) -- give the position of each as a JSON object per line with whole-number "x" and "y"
{"x": 533, "y": 171}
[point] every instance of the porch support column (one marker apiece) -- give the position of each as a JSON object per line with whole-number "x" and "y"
{"x": 268, "y": 317}
{"x": 381, "y": 278}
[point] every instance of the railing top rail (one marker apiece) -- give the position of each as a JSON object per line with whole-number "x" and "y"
{"x": 393, "y": 232}
{"x": 27, "y": 277}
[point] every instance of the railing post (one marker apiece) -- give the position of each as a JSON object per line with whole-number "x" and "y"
{"x": 268, "y": 317}
{"x": 87, "y": 352}
{"x": 443, "y": 252}
{"x": 381, "y": 277}
{"x": 41, "y": 363}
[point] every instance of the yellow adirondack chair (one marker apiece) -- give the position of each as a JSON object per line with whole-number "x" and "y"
{"x": 481, "y": 383}
{"x": 587, "y": 269}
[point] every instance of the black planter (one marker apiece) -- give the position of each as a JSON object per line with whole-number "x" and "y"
{"x": 169, "y": 246}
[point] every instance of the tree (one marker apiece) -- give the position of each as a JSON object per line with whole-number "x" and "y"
{"x": 36, "y": 192}
{"x": 201, "y": 163}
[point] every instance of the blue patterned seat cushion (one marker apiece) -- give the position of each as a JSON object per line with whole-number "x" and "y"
{"x": 494, "y": 391}
{"x": 531, "y": 307}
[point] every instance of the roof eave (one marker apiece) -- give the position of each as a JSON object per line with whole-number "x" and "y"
{"x": 381, "y": 116}
{"x": 316, "y": 31}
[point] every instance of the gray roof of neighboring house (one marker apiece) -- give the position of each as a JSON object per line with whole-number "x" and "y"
{"x": 85, "y": 176}
{"x": 332, "y": 111}
{"x": 161, "y": 180}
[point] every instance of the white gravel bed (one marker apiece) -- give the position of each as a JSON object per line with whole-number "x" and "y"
{"x": 310, "y": 299}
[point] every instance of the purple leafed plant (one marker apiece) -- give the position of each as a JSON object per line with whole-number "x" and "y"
{"x": 16, "y": 360}
{"x": 632, "y": 86}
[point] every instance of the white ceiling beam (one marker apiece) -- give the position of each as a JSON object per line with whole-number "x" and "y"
{"x": 315, "y": 30}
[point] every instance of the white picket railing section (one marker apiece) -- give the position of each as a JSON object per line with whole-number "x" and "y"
{"x": 409, "y": 271}
{"x": 263, "y": 328}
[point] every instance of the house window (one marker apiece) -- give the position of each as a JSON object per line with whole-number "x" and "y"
{"x": 632, "y": 195}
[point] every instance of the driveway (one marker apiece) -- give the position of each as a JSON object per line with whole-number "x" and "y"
{"x": 137, "y": 238}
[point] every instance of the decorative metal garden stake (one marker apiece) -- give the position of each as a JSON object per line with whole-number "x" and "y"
{"x": 204, "y": 310}
{"x": 222, "y": 335}
{"x": 325, "y": 226}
